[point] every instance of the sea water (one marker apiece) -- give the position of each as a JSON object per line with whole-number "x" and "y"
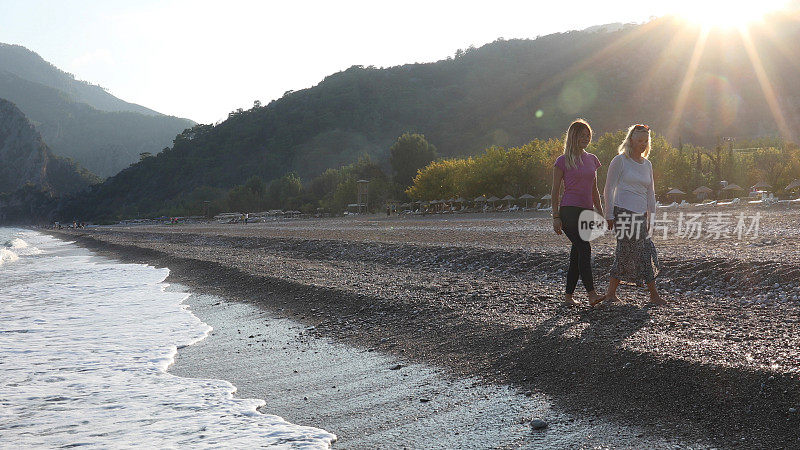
{"x": 85, "y": 344}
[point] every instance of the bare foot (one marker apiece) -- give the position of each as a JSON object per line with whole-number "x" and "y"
{"x": 570, "y": 301}
{"x": 595, "y": 298}
{"x": 596, "y": 301}
{"x": 657, "y": 300}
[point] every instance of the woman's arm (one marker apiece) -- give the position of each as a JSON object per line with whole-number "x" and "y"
{"x": 610, "y": 190}
{"x": 555, "y": 199}
{"x": 598, "y": 204}
{"x": 651, "y": 193}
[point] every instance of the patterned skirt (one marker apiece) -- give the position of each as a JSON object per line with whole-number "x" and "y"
{"x": 635, "y": 259}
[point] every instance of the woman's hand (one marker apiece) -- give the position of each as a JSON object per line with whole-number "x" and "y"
{"x": 610, "y": 224}
{"x": 557, "y": 225}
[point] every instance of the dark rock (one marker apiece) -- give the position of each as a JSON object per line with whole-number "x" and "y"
{"x": 397, "y": 367}
{"x": 538, "y": 424}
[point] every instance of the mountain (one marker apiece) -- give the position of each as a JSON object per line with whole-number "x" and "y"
{"x": 690, "y": 85}
{"x": 26, "y": 160}
{"x": 81, "y": 120}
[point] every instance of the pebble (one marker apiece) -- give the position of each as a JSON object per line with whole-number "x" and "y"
{"x": 538, "y": 424}
{"x": 792, "y": 410}
{"x": 396, "y": 367}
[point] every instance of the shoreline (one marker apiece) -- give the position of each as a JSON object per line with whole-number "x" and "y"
{"x": 373, "y": 400}
{"x": 588, "y": 373}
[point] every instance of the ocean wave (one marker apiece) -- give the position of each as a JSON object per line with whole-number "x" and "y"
{"x": 16, "y": 243}
{"x": 21, "y": 247}
{"x": 7, "y": 256}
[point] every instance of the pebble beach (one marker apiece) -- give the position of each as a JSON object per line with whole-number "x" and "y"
{"x": 479, "y": 296}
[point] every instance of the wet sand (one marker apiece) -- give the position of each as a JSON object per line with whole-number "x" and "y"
{"x": 479, "y": 297}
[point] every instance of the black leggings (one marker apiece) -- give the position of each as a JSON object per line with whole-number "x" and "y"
{"x": 580, "y": 257}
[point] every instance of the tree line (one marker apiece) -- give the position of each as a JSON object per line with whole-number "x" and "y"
{"x": 527, "y": 169}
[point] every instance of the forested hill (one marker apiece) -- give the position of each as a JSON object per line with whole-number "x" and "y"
{"x": 80, "y": 120}
{"x": 504, "y": 93}
{"x": 26, "y": 160}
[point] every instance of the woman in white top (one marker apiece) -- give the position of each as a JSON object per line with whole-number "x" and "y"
{"x": 630, "y": 196}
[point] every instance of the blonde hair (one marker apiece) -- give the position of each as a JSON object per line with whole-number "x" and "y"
{"x": 571, "y": 151}
{"x": 627, "y": 145}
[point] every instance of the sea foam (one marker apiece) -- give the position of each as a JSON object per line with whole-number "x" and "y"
{"x": 85, "y": 344}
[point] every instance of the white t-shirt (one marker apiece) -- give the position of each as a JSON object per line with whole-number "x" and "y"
{"x": 629, "y": 185}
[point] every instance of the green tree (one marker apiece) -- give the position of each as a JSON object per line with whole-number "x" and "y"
{"x": 410, "y": 153}
{"x": 284, "y": 190}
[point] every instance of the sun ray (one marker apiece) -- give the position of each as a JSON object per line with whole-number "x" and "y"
{"x": 792, "y": 57}
{"x": 578, "y": 66}
{"x": 766, "y": 86}
{"x": 661, "y": 63}
{"x": 688, "y": 79}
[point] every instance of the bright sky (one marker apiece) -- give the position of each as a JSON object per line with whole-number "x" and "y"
{"x": 202, "y": 59}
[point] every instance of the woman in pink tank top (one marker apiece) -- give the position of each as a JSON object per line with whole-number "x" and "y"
{"x": 577, "y": 170}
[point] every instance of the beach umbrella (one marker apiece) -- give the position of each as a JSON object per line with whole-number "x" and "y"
{"x": 761, "y": 185}
{"x": 526, "y": 197}
{"x": 547, "y": 197}
{"x": 675, "y": 192}
{"x": 492, "y": 199}
{"x": 460, "y": 200}
{"x": 793, "y": 185}
{"x": 732, "y": 187}
{"x": 510, "y": 199}
{"x": 482, "y": 198}
{"x": 702, "y": 192}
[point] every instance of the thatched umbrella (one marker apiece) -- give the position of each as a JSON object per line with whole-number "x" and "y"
{"x": 481, "y": 199}
{"x": 510, "y": 199}
{"x": 702, "y": 192}
{"x": 795, "y": 184}
{"x": 526, "y": 197}
{"x": 675, "y": 192}
{"x": 492, "y": 199}
{"x": 732, "y": 187}
{"x": 761, "y": 185}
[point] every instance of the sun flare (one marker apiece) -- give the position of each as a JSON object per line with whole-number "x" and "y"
{"x": 726, "y": 14}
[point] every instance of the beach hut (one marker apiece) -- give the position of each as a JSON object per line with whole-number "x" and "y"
{"x": 702, "y": 192}
{"x": 526, "y": 197}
